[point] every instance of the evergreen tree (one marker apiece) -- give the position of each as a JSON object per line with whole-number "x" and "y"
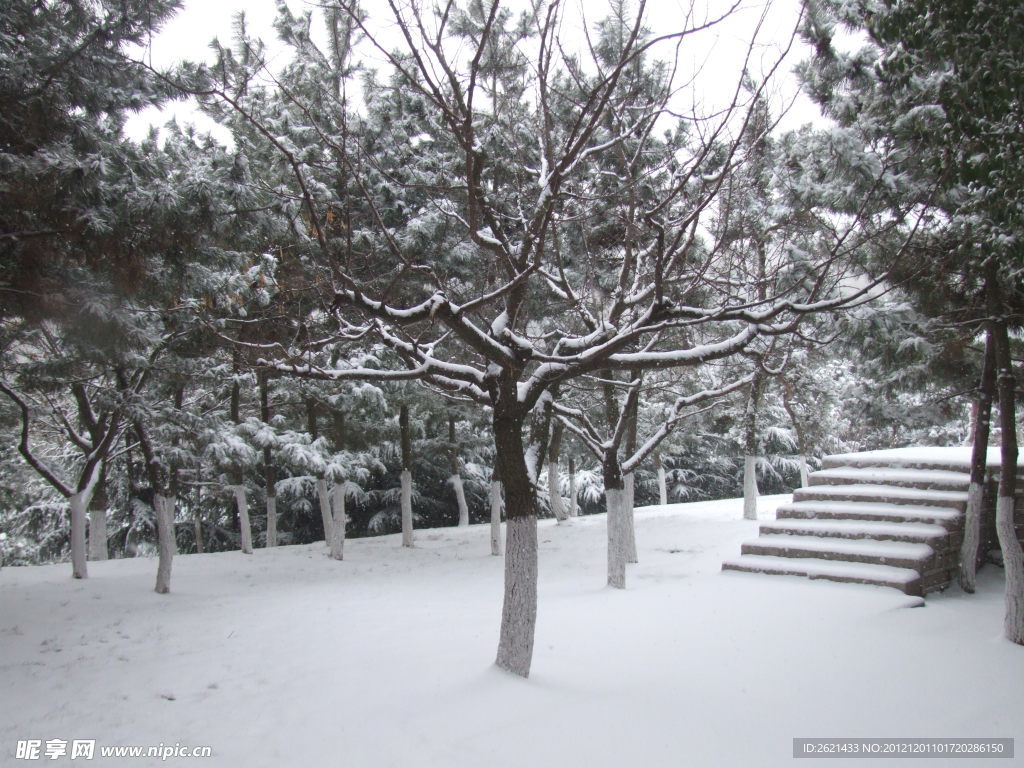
{"x": 938, "y": 84}
{"x": 66, "y": 87}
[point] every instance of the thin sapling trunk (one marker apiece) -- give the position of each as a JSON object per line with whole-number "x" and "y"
{"x": 573, "y": 501}
{"x": 406, "y": 492}
{"x": 554, "y": 492}
{"x": 269, "y": 472}
{"x": 659, "y": 470}
{"x": 750, "y": 492}
{"x": 456, "y": 478}
{"x": 339, "y": 522}
{"x": 245, "y": 527}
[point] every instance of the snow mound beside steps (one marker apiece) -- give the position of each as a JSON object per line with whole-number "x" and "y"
{"x": 889, "y": 518}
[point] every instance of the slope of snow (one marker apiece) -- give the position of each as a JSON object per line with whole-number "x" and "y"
{"x": 287, "y": 658}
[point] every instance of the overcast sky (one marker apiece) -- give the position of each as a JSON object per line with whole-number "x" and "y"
{"x": 720, "y": 51}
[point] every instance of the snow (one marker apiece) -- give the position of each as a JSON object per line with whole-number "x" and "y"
{"x": 487, "y": 236}
{"x": 870, "y": 491}
{"x": 880, "y": 509}
{"x": 956, "y": 457}
{"x": 286, "y": 657}
{"x": 854, "y": 528}
{"x": 862, "y": 547}
{"x": 499, "y": 325}
{"x": 814, "y": 567}
{"x": 897, "y": 476}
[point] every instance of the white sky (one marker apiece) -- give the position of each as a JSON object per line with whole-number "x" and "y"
{"x": 721, "y": 50}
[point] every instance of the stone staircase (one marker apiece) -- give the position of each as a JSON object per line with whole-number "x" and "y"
{"x": 887, "y": 518}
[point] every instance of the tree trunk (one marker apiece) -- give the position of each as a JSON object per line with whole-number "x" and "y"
{"x": 241, "y": 502}
{"x": 406, "y": 440}
{"x": 616, "y": 538}
{"x": 628, "y": 487}
{"x": 496, "y": 517}
{"x": 98, "y": 522}
{"x": 460, "y": 500}
{"x": 614, "y": 494}
{"x": 788, "y": 392}
{"x": 269, "y": 473}
{"x": 628, "y": 518}
{"x": 574, "y": 508}
{"x": 245, "y": 528}
{"x": 167, "y": 544}
{"x": 519, "y": 606}
{"x": 407, "y": 537}
{"x": 271, "y": 520}
{"x": 339, "y": 522}
{"x": 1013, "y": 556}
{"x": 325, "y": 508}
{"x": 659, "y": 468}
{"x": 197, "y": 524}
{"x": 321, "y": 483}
{"x": 750, "y": 492}
{"x": 979, "y": 453}
{"x": 79, "y": 504}
{"x": 554, "y": 492}
{"x": 456, "y": 479}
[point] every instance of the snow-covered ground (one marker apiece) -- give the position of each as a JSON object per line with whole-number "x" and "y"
{"x": 287, "y": 658}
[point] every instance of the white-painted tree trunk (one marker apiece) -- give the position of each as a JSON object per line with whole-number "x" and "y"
{"x": 554, "y": 496}
{"x": 614, "y": 499}
{"x": 972, "y": 536}
{"x": 662, "y": 487}
{"x": 460, "y": 500}
{"x": 496, "y": 517}
{"x": 629, "y": 519}
{"x": 271, "y": 521}
{"x": 574, "y": 505}
{"x": 325, "y": 508}
{"x": 750, "y": 488}
{"x": 338, "y": 522}
{"x": 804, "y": 479}
{"x": 243, "y": 518}
{"x": 519, "y": 610}
{"x": 1013, "y": 565}
{"x": 167, "y": 544}
{"x": 406, "y": 508}
{"x": 79, "y": 503}
{"x": 98, "y": 534}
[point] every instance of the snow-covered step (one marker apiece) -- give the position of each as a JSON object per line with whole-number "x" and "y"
{"x": 957, "y": 459}
{"x": 936, "y": 479}
{"x": 885, "y": 517}
{"x": 895, "y": 553}
{"x": 906, "y": 580}
{"x": 924, "y": 533}
{"x": 825, "y": 509}
{"x": 882, "y": 493}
